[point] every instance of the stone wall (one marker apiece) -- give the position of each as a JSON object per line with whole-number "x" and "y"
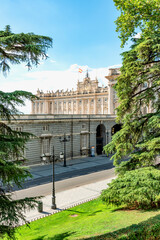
{"x": 48, "y": 129}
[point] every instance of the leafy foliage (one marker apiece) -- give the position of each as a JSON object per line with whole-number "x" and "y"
{"x": 141, "y": 15}
{"x": 139, "y": 188}
{"x": 18, "y": 48}
{"x": 137, "y": 87}
{"x": 12, "y": 146}
{"x": 15, "y": 49}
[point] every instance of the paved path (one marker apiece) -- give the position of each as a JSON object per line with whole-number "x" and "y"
{"x": 39, "y": 171}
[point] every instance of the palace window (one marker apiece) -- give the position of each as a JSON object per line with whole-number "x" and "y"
{"x": 45, "y": 127}
{"x": 37, "y": 107}
{"x": 84, "y": 141}
{"x": 33, "y": 106}
{"x": 105, "y": 100}
{"x": 41, "y": 106}
{"x": 83, "y": 126}
{"x": 50, "y": 107}
{"x": 46, "y": 146}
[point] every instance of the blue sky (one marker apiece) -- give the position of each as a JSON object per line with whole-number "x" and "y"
{"x": 83, "y": 33}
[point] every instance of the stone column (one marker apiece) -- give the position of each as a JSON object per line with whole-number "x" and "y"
{"x": 82, "y": 106}
{"x": 89, "y": 105}
{"x": 52, "y": 107}
{"x": 95, "y": 105}
{"x": 72, "y": 110}
{"x": 102, "y": 109}
{"x": 57, "y": 106}
{"x": 45, "y": 107}
{"x": 48, "y": 107}
{"x": 62, "y": 107}
{"x": 67, "y": 107}
{"x": 42, "y": 107}
{"x": 32, "y": 108}
{"x": 77, "y": 100}
{"x": 110, "y": 99}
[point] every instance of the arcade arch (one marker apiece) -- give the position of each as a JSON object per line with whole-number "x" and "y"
{"x": 100, "y": 138}
{"x": 115, "y": 128}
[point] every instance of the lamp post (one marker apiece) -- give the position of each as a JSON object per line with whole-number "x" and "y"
{"x": 53, "y": 186}
{"x": 64, "y": 140}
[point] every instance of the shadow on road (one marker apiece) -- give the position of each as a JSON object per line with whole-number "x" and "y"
{"x": 65, "y": 175}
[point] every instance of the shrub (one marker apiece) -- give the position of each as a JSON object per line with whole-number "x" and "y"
{"x": 143, "y": 233}
{"x": 139, "y": 188}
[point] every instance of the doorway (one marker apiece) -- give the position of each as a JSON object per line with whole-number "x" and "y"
{"x": 116, "y": 128}
{"x": 100, "y": 138}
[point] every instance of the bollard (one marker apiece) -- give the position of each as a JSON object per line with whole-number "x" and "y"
{"x": 40, "y": 206}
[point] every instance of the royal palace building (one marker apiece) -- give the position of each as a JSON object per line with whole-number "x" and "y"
{"x": 85, "y": 117}
{"x": 88, "y": 98}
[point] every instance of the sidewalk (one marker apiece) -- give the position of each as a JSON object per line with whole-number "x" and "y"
{"x": 39, "y": 171}
{"x": 69, "y": 198}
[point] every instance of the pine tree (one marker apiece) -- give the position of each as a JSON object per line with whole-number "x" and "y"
{"x": 138, "y": 86}
{"x": 15, "y": 49}
{"x": 135, "y": 189}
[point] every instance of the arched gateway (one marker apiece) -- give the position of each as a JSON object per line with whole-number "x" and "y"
{"x": 100, "y": 138}
{"x": 116, "y": 128}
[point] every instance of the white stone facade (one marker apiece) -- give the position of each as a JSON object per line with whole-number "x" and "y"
{"x": 88, "y": 98}
{"x": 86, "y": 116}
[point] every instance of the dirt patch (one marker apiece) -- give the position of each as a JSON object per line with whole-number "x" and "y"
{"x": 74, "y": 215}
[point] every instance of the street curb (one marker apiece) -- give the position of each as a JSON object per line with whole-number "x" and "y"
{"x": 65, "y": 208}
{"x": 59, "y": 210}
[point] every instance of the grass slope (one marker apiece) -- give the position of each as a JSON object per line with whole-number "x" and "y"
{"x": 88, "y": 221}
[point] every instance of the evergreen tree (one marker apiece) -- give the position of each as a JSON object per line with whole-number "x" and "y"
{"x": 15, "y": 49}
{"x": 135, "y": 189}
{"x": 138, "y": 86}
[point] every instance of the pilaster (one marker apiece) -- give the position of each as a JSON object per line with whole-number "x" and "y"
{"x": 82, "y": 106}
{"x": 77, "y": 106}
{"x": 102, "y": 109}
{"x": 95, "y": 105}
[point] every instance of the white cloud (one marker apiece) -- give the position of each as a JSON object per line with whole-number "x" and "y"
{"x": 138, "y": 35}
{"x": 54, "y": 80}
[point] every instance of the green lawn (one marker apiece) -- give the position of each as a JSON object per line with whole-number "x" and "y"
{"x": 84, "y": 221}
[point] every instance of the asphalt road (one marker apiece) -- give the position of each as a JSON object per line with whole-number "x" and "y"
{"x": 68, "y": 183}
{"x": 67, "y": 175}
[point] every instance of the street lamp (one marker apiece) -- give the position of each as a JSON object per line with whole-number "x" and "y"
{"x": 53, "y": 186}
{"x": 64, "y": 140}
